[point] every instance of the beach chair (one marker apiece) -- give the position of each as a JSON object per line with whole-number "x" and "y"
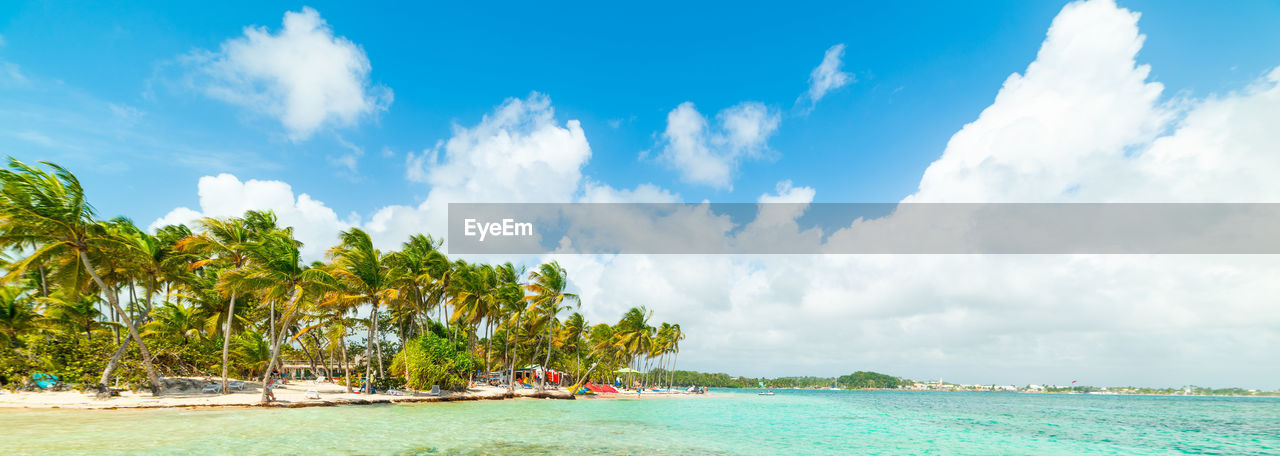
{"x": 313, "y": 394}
{"x": 212, "y": 388}
{"x": 395, "y": 392}
{"x": 435, "y": 390}
{"x": 236, "y": 385}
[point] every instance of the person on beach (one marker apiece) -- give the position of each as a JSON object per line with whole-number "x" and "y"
{"x": 270, "y": 386}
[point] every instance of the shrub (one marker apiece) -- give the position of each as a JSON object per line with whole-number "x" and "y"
{"x": 433, "y": 361}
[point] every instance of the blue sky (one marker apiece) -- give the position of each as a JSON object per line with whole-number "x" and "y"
{"x": 377, "y": 116}
{"x": 922, "y": 71}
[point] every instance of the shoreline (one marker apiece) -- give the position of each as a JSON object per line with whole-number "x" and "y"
{"x": 293, "y": 395}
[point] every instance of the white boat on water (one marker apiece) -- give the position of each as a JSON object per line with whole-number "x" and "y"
{"x": 766, "y": 393}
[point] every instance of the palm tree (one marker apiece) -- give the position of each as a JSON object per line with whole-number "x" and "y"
{"x": 366, "y": 275}
{"x": 17, "y": 315}
{"x": 548, "y": 287}
{"x": 175, "y": 319}
{"x": 276, "y": 274}
{"x": 223, "y": 242}
{"x": 634, "y": 334}
{"x": 253, "y": 350}
{"x": 570, "y": 336}
{"x": 48, "y": 209}
{"x": 149, "y": 257}
{"x": 675, "y": 335}
{"x": 474, "y": 292}
{"x": 511, "y": 306}
{"x": 75, "y": 315}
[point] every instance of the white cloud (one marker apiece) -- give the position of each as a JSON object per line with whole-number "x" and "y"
{"x": 224, "y": 195}
{"x": 827, "y": 76}
{"x": 709, "y": 156}
{"x": 518, "y": 153}
{"x": 303, "y": 75}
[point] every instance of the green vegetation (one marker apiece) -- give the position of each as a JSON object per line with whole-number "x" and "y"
{"x": 720, "y": 380}
{"x": 861, "y": 379}
{"x": 432, "y": 360}
{"x": 103, "y": 303}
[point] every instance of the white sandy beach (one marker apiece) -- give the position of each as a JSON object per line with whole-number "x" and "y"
{"x": 289, "y": 395}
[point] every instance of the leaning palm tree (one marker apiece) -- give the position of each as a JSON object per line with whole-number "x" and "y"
{"x": 223, "y": 243}
{"x": 48, "y": 209}
{"x": 148, "y": 258}
{"x": 366, "y": 276}
{"x": 548, "y": 286}
{"x": 276, "y": 275}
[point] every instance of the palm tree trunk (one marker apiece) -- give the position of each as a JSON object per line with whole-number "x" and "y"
{"x": 515, "y": 353}
{"x": 368, "y": 349}
{"x": 551, "y": 321}
{"x": 404, "y": 347}
{"x": 226, "y": 342}
{"x": 377, "y": 339}
{"x": 44, "y": 283}
{"x": 320, "y": 354}
{"x": 156, "y": 388}
{"x": 275, "y": 345}
{"x": 488, "y": 345}
{"x": 674, "y": 356}
{"x": 346, "y": 367}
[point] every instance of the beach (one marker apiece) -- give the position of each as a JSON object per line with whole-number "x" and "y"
{"x": 293, "y": 394}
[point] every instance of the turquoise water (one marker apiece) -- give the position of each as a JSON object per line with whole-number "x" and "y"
{"x": 792, "y": 422}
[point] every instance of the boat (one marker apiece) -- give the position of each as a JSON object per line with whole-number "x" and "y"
{"x": 766, "y": 393}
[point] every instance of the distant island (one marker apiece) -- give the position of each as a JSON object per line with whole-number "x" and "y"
{"x": 866, "y": 380}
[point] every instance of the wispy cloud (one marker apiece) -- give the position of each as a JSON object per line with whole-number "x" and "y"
{"x": 827, "y": 76}
{"x": 349, "y": 160}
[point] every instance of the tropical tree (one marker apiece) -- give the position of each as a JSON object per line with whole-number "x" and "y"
{"x": 634, "y": 334}
{"x": 48, "y": 209}
{"x": 365, "y": 275}
{"x": 224, "y": 244}
{"x": 548, "y": 285}
{"x": 275, "y": 273}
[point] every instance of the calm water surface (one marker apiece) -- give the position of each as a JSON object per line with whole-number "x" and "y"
{"x": 792, "y": 422}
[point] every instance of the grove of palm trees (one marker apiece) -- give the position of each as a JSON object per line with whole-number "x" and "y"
{"x": 102, "y": 303}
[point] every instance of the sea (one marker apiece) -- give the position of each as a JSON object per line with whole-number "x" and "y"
{"x": 726, "y": 422}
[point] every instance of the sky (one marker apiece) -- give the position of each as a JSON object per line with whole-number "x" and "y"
{"x": 339, "y": 116}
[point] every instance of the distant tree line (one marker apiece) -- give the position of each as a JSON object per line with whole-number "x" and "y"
{"x": 855, "y": 380}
